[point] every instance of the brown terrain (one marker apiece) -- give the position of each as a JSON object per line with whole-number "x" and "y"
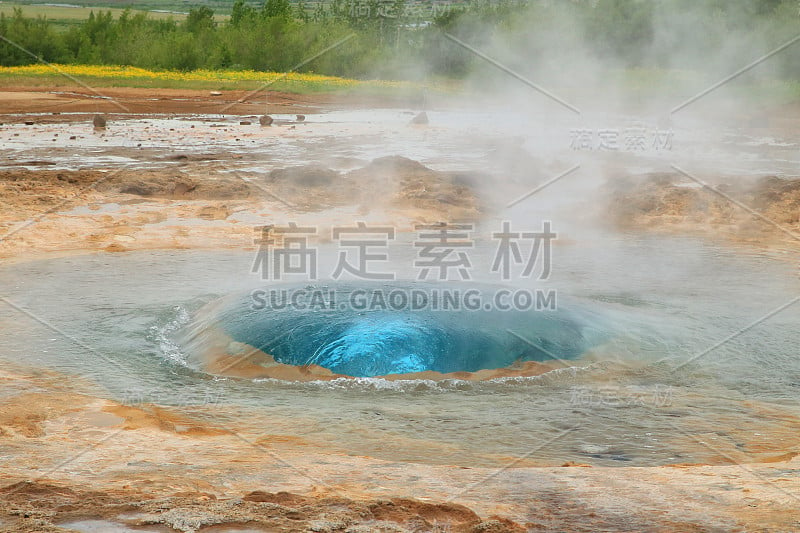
{"x": 201, "y": 190}
{"x": 71, "y": 99}
{"x": 77, "y": 458}
{"x": 72, "y": 459}
{"x": 763, "y": 211}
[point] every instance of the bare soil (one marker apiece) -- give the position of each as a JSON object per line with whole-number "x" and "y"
{"x": 145, "y": 101}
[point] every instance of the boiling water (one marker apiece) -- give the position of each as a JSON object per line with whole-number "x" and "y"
{"x": 117, "y": 321}
{"x": 378, "y": 329}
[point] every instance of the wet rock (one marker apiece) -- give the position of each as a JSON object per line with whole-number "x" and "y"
{"x": 37, "y": 163}
{"x": 214, "y": 212}
{"x": 183, "y": 157}
{"x": 182, "y": 188}
{"x": 265, "y": 120}
{"x": 660, "y": 200}
{"x": 286, "y": 499}
{"x": 421, "y": 118}
{"x": 115, "y": 248}
{"x": 411, "y": 185}
{"x": 99, "y": 121}
{"x": 470, "y": 179}
{"x": 159, "y": 184}
{"x": 498, "y": 525}
{"x": 304, "y": 175}
{"x": 394, "y": 166}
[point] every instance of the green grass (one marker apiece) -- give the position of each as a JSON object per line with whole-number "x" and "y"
{"x": 64, "y": 16}
{"x": 219, "y": 6}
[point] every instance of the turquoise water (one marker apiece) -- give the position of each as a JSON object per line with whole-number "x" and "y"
{"x": 115, "y": 322}
{"x": 374, "y": 329}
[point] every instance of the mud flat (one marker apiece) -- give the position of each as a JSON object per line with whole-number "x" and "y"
{"x": 72, "y": 459}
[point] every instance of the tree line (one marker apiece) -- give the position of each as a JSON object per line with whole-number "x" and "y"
{"x": 400, "y": 39}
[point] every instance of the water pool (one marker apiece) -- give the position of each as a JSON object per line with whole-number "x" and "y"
{"x": 641, "y": 396}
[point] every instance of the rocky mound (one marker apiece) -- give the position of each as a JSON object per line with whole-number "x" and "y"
{"x": 442, "y": 195}
{"x": 740, "y": 207}
{"x": 385, "y": 183}
{"x": 41, "y": 507}
{"x": 39, "y": 189}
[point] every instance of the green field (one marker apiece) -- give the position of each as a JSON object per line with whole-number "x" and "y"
{"x": 66, "y": 16}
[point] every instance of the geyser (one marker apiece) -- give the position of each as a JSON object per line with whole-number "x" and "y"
{"x": 366, "y": 330}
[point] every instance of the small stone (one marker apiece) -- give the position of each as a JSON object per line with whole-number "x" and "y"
{"x": 265, "y": 120}
{"x": 99, "y": 121}
{"x": 244, "y": 123}
{"x": 301, "y": 118}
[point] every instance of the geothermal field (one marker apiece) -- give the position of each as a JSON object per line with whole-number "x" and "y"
{"x": 484, "y": 310}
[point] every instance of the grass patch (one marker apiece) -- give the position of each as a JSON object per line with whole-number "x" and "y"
{"x": 73, "y": 15}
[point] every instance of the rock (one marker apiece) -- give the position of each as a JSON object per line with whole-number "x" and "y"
{"x": 99, "y": 121}
{"x": 244, "y": 122}
{"x": 29, "y": 123}
{"x": 304, "y": 175}
{"x": 215, "y": 93}
{"x": 421, "y": 118}
{"x": 211, "y": 212}
{"x": 415, "y": 186}
{"x": 265, "y": 120}
{"x": 115, "y": 248}
{"x": 301, "y": 118}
